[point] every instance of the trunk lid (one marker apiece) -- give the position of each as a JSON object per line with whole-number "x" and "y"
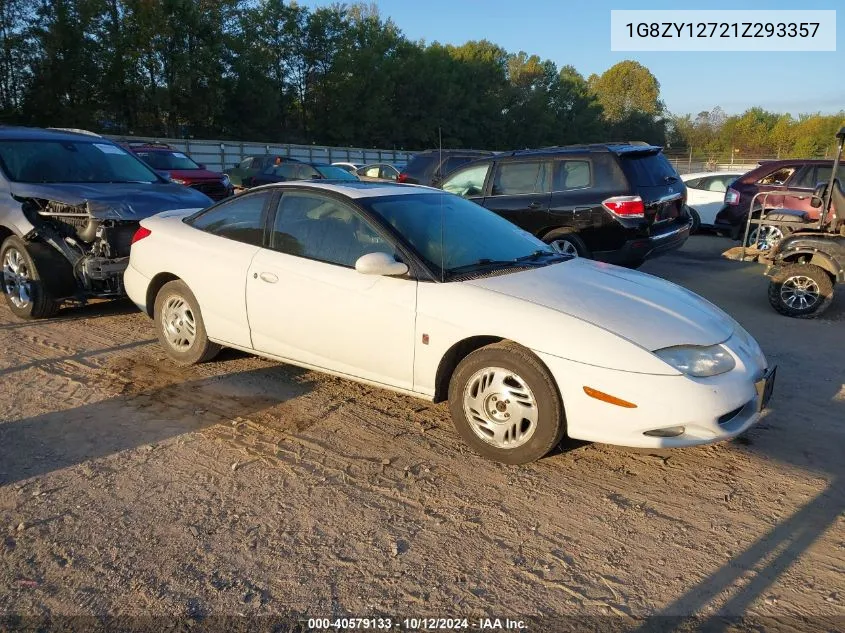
{"x": 653, "y": 178}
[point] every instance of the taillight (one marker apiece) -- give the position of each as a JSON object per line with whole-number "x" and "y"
{"x": 732, "y": 197}
{"x": 625, "y": 206}
{"x": 140, "y": 234}
{"x": 403, "y": 177}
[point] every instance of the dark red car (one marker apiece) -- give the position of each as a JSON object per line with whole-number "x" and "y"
{"x": 798, "y": 176}
{"x": 182, "y": 169}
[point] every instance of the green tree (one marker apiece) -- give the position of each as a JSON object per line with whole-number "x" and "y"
{"x": 627, "y": 88}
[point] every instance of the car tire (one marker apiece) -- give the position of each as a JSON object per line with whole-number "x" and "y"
{"x": 801, "y": 291}
{"x": 696, "y": 221}
{"x": 24, "y": 266}
{"x": 567, "y": 242}
{"x": 179, "y": 325}
{"x": 772, "y": 235}
{"x": 506, "y": 405}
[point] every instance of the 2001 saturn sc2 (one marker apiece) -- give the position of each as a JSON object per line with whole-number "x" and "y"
{"x": 428, "y": 294}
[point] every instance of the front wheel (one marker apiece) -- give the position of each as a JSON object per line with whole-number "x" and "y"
{"x": 801, "y": 290}
{"x": 23, "y": 282}
{"x": 505, "y": 404}
{"x": 179, "y": 325}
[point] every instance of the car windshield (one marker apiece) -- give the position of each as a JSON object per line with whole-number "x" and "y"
{"x": 48, "y": 161}
{"x": 166, "y": 161}
{"x": 455, "y": 236}
{"x": 334, "y": 172}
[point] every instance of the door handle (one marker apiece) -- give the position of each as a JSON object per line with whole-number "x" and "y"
{"x": 270, "y": 278}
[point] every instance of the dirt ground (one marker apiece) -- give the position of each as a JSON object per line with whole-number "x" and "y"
{"x": 131, "y": 487}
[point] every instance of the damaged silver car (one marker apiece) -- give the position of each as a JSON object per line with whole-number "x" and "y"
{"x": 70, "y": 204}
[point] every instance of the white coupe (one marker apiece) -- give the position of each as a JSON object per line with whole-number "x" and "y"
{"x": 423, "y": 292}
{"x": 706, "y": 195}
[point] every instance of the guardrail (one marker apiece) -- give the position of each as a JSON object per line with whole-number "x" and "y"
{"x": 220, "y": 155}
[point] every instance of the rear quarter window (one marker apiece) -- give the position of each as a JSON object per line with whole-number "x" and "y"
{"x": 647, "y": 170}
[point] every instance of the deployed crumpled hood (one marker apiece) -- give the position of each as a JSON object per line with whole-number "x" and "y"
{"x": 641, "y": 308}
{"x": 116, "y": 201}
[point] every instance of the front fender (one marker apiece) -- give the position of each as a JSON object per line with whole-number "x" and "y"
{"x": 452, "y": 312}
{"x": 816, "y": 257}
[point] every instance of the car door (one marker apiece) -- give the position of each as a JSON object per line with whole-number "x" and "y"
{"x": 217, "y": 259}
{"x": 520, "y": 191}
{"x": 307, "y": 303}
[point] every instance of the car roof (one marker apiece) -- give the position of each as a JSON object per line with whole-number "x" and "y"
{"x": 615, "y": 147}
{"x": 354, "y": 188}
{"x": 14, "y": 132}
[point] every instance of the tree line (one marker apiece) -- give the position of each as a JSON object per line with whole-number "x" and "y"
{"x": 272, "y": 71}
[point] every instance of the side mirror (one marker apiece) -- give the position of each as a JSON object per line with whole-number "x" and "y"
{"x": 201, "y": 165}
{"x": 818, "y": 195}
{"x": 380, "y": 264}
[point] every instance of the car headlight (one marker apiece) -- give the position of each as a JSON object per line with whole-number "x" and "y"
{"x": 226, "y": 180}
{"x": 698, "y": 361}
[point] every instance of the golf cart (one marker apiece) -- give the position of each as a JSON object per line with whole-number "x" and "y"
{"x": 805, "y": 265}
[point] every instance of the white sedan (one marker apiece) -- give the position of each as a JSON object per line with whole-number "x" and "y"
{"x": 428, "y": 294}
{"x": 706, "y": 195}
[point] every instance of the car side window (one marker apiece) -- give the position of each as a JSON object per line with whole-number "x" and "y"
{"x": 695, "y": 183}
{"x": 388, "y": 173}
{"x": 372, "y": 172}
{"x": 240, "y": 220}
{"x": 572, "y": 174}
{"x": 324, "y": 229}
{"x": 467, "y": 182}
{"x": 777, "y": 177}
{"x": 306, "y": 172}
{"x": 523, "y": 177}
{"x": 247, "y": 163}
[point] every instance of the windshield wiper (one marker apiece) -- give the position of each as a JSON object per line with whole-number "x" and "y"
{"x": 486, "y": 262}
{"x": 537, "y": 255}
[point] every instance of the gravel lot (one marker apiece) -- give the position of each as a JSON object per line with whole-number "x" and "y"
{"x": 131, "y": 487}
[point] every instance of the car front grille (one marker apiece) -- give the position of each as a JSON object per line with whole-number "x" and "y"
{"x": 214, "y": 190}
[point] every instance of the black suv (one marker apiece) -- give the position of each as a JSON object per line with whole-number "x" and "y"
{"x": 615, "y": 202}
{"x": 428, "y": 167}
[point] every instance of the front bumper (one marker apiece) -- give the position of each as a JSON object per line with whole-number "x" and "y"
{"x": 710, "y": 409}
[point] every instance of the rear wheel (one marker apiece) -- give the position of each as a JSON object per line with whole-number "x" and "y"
{"x": 567, "y": 243}
{"x": 23, "y": 283}
{"x": 801, "y": 290}
{"x": 506, "y": 405}
{"x": 179, "y": 325}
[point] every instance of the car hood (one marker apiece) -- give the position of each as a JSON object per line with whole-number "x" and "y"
{"x": 116, "y": 201}
{"x": 646, "y": 310}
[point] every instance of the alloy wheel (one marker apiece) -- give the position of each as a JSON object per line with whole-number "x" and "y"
{"x": 500, "y": 407}
{"x": 800, "y": 292}
{"x": 765, "y": 237}
{"x": 16, "y": 278}
{"x": 564, "y": 247}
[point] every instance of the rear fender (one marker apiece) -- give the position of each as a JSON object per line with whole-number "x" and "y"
{"x": 817, "y": 258}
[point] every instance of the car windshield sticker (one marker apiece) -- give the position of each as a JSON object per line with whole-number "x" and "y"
{"x": 108, "y": 149}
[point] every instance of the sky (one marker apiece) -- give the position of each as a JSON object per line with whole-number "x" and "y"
{"x": 577, "y": 32}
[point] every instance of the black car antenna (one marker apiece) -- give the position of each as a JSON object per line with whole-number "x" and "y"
{"x": 442, "y": 212}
